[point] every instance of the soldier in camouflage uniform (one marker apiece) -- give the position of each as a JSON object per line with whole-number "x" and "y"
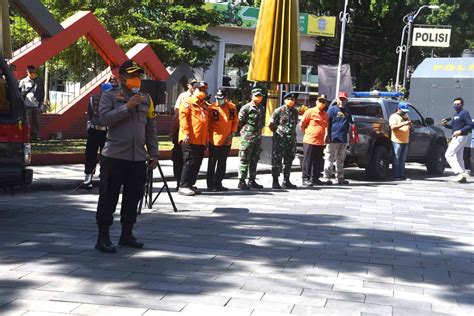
{"x": 283, "y": 125}
{"x": 251, "y": 120}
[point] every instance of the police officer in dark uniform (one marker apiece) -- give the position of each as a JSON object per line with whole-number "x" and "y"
{"x": 96, "y": 132}
{"x": 130, "y": 118}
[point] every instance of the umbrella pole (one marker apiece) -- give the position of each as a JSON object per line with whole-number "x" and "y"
{"x": 273, "y": 101}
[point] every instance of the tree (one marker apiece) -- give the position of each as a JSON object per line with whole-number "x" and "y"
{"x": 176, "y": 29}
{"x": 241, "y": 61}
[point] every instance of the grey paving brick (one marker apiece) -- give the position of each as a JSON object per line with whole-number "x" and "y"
{"x": 278, "y": 307}
{"x": 349, "y": 307}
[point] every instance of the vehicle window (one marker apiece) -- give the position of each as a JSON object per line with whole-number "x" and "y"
{"x": 5, "y": 105}
{"x": 392, "y": 107}
{"x": 370, "y": 109}
{"x": 415, "y": 117}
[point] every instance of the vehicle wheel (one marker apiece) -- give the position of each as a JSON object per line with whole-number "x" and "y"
{"x": 436, "y": 161}
{"x": 379, "y": 166}
{"x": 239, "y": 21}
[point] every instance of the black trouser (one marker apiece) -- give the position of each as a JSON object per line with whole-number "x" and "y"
{"x": 313, "y": 161}
{"x": 113, "y": 174}
{"x": 192, "y": 157}
{"x": 177, "y": 158}
{"x": 217, "y": 155}
{"x": 95, "y": 142}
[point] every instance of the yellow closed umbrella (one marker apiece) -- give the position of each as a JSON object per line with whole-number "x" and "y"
{"x": 276, "y": 55}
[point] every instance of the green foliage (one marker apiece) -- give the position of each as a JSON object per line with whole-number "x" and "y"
{"x": 375, "y": 29}
{"x": 176, "y": 29}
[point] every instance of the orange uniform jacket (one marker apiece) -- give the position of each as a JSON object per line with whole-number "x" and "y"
{"x": 193, "y": 121}
{"x": 223, "y": 121}
{"x": 314, "y": 125}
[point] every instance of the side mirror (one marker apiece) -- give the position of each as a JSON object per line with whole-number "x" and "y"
{"x": 429, "y": 121}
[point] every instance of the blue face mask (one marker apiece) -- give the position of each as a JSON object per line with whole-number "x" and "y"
{"x": 457, "y": 107}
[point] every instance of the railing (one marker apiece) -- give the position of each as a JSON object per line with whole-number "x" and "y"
{"x": 56, "y": 104}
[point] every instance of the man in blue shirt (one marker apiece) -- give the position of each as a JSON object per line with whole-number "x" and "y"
{"x": 461, "y": 126}
{"x": 337, "y": 140}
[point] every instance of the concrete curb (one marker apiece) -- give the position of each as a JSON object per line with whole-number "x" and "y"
{"x": 70, "y": 184}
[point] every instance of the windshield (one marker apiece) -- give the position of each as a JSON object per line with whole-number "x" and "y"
{"x": 369, "y": 109}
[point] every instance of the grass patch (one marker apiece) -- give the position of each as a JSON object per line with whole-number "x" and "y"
{"x": 79, "y": 145}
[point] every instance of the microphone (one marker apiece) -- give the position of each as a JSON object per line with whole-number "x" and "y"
{"x": 136, "y": 91}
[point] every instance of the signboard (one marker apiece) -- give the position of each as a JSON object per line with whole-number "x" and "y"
{"x": 247, "y": 17}
{"x": 431, "y": 37}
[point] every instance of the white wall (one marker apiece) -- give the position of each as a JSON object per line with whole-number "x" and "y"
{"x": 239, "y": 36}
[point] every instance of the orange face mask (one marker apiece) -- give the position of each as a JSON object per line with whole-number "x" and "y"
{"x": 200, "y": 95}
{"x": 289, "y": 103}
{"x": 133, "y": 83}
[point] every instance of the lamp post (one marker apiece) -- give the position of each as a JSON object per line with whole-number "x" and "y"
{"x": 344, "y": 17}
{"x": 410, "y": 20}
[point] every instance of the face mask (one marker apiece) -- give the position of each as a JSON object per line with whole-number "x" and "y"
{"x": 257, "y": 99}
{"x": 201, "y": 95}
{"x": 457, "y": 107}
{"x": 221, "y": 101}
{"x": 133, "y": 83}
{"x": 289, "y": 103}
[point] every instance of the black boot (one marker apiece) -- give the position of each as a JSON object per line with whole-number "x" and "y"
{"x": 276, "y": 184}
{"x": 243, "y": 185}
{"x": 103, "y": 241}
{"x": 127, "y": 239}
{"x": 254, "y": 185}
{"x": 287, "y": 184}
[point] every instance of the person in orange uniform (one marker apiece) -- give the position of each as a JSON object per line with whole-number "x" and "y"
{"x": 193, "y": 137}
{"x": 223, "y": 123}
{"x": 314, "y": 126}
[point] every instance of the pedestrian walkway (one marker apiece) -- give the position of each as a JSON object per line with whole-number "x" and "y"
{"x": 70, "y": 176}
{"x": 386, "y": 248}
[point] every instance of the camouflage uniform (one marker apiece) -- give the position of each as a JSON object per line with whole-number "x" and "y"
{"x": 284, "y": 120}
{"x": 251, "y": 120}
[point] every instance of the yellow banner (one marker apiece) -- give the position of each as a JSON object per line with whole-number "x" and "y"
{"x": 321, "y": 26}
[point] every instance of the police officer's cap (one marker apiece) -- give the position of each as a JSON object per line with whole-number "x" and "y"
{"x": 257, "y": 92}
{"x": 129, "y": 67}
{"x": 220, "y": 95}
{"x": 322, "y": 98}
{"x": 290, "y": 95}
{"x": 200, "y": 84}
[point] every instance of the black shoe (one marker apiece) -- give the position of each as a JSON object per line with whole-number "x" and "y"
{"x": 86, "y": 186}
{"x": 243, "y": 186}
{"x": 253, "y": 185}
{"x": 307, "y": 183}
{"x": 276, "y": 184}
{"x": 104, "y": 244}
{"x": 342, "y": 182}
{"x": 211, "y": 189}
{"x": 196, "y": 190}
{"x": 221, "y": 188}
{"x": 288, "y": 185}
{"x": 130, "y": 241}
{"x": 317, "y": 182}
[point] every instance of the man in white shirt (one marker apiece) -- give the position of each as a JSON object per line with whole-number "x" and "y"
{"x": 32, "y": 90}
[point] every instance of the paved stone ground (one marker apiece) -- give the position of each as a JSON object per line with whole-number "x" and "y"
{"x": 389, "y": 248}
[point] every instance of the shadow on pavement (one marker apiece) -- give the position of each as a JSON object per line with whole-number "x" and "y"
{"x": 50, "y": 249}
